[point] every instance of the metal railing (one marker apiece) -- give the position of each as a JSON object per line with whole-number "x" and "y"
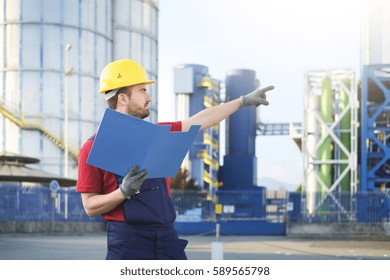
{"x": 235, "y": 205}
{"x": 73, "y": 153}
{"x": 343, "y": 207}
{"x": 38, "y": 203}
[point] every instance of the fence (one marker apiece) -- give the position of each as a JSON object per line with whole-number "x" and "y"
{"x": 38, "y": 203}
{"x": 342, "y": 207}
{"x": 196, "y": 206}
{"x": 233, "y": 212}
{"x": 246, "y": 211}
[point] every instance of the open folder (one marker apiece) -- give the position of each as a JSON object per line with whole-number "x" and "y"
{"x": 123, "y": 141}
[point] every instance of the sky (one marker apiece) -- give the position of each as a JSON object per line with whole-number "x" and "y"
{"x": 279, "y": 39}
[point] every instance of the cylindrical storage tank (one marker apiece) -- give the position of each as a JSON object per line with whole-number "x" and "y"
{"x": 53, "y": 51}
{"x": 311, "y": 142}
{"x": 375, "y": 30}
{"x": 325, "y": 150}
{"x": 241, "y": 126}
{"x": 135, "y": 35}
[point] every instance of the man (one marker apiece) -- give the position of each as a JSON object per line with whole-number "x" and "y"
{"x": 139, "y": 211}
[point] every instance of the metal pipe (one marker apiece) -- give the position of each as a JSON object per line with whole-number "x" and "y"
{"x": 67, "y": 74}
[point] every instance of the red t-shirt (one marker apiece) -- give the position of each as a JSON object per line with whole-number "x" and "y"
{"x": 95, "y": 180}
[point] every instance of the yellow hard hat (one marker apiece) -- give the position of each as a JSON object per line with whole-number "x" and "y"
{"x": 122, "y": 73}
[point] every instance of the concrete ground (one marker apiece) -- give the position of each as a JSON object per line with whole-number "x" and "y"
{"x": 93, "y": 247}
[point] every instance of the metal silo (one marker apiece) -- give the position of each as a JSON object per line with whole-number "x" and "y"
{"x": 239, "y": 171}
{"x": 135, "y": 36}
{"x": 51, "y": 54}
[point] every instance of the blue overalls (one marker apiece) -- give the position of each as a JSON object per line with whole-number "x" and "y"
{"x": 148, "y": 233}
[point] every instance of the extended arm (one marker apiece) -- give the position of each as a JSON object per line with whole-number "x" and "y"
{"x": 211, "y": 116}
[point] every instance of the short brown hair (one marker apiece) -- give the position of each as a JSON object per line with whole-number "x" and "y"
{"x": 113, "y": 101}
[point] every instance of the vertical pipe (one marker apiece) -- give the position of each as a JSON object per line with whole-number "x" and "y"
{"x": 325, "y": 149}
{"x": 364, "y": 131}
{"x": 4, "y": 54}
{"x": 41, "y": 88}
{"x": 21, "y": 66}
{"x": 66, "y": 204}
{"x": 66, "y": 108}
{"x": 95, "y": 70}
{"x": 312, "y": 139}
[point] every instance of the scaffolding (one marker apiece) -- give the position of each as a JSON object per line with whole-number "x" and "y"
{"x": 375, "y": 128}
{"x": 329, "y": 142}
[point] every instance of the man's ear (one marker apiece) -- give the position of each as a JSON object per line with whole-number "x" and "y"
{"x": 122, "y": 98}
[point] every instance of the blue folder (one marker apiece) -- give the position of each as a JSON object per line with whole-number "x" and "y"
{"x": 123, "y": 141}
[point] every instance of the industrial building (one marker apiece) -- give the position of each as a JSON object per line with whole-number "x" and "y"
{"x": 344, "y": 138}
{"x": 197, "y": 90}
{"x": 51, "y": 55}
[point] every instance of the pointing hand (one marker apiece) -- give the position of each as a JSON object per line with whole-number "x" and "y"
{"x": 256, "y": 97}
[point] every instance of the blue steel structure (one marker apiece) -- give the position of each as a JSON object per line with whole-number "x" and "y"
{"x": 197, "y": 90}
{"x": 239, "y": 168}
{"x": 375, "y": 128}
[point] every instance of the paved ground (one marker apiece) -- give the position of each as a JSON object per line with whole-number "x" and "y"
{"x": 93, "y": 247}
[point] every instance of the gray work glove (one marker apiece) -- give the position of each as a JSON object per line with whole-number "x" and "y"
{"x": 132, "y": 182}
{"x": 256, "y": 97}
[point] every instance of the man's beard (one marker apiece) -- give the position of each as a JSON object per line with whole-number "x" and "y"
{"x": 140, "y": 113}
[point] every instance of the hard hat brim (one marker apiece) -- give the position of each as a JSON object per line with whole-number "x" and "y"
{"x": 149, "y": 82}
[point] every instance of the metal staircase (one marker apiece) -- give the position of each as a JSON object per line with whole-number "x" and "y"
{"x": 73, "y": 153}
